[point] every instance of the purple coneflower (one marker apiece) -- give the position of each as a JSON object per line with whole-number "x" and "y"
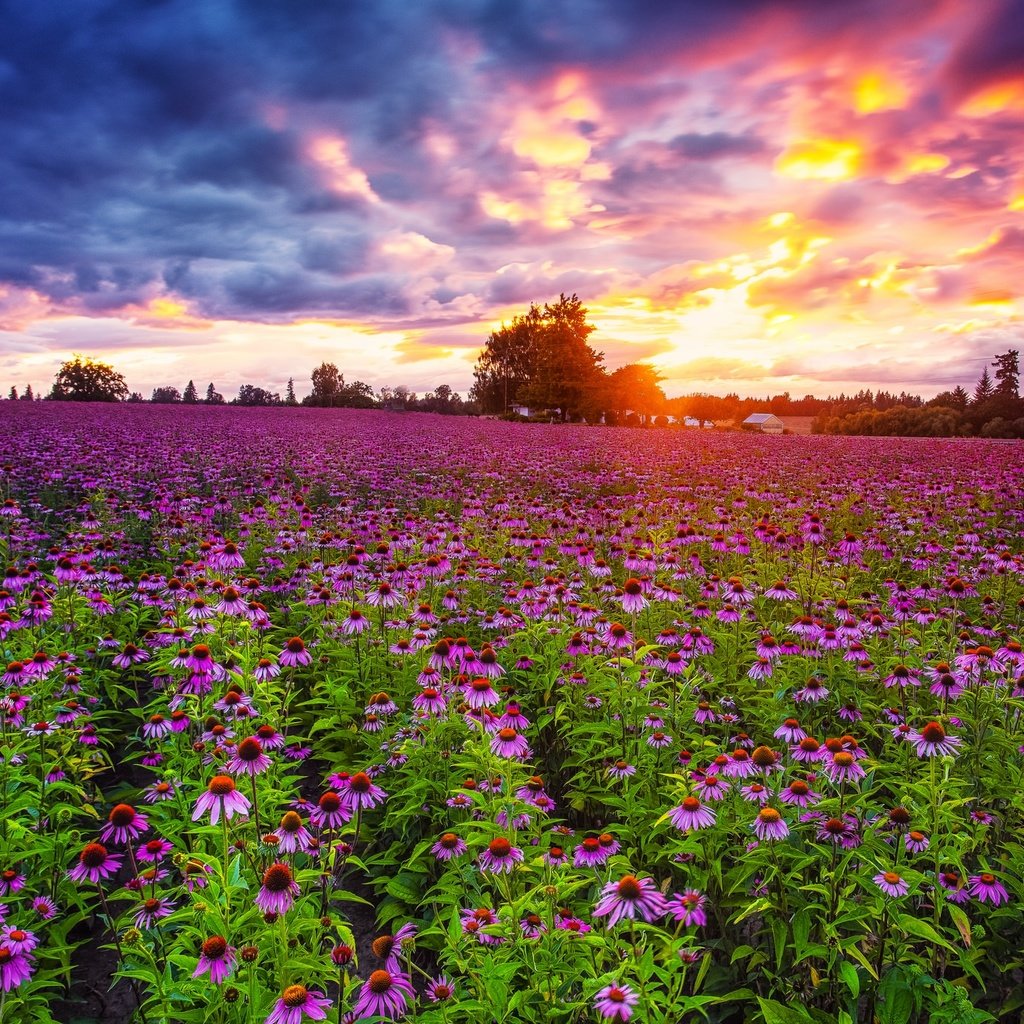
{"x": 384, "y": 994}
{"x": 440, "y": 990}
{"x": 500, "y": 856}
{"x": 800, "y": 794}
{"x": 292, "y": 835}
{"x": 768, "y": 825}
{"x": 891, "y": 883}
{"x": 956, "y": 890}
{"x": 94, "y": 864}
{"x": 217, "y": 957}
{"x": 932, "y": 741}
{"x": 330, "y": 811}
{"x": 15, "y": 968}
{"x": 508, "y": 743}
{"x": 221, "y": 797}
{"x": 152, "y": 910}
{"x": 689, "y": 907}
{"x": 361, "y": 792}
{"x": 480, "y": 693}
{"x": 691, "y": 814}
{"x": 44, "y": 908}
{"x": 843, "y": 767}
{"x": 986, "y": 888}
{"x": 616, "y": 1002}
{"x": 294, "y": 653}
{"x": 711, "y": 787}
{"x": 630, "y": 897}
{"x": 633, "y": 599}
{"x": 297, "y": 1002}
{"x": 155, "y": 850}
{"x": 18, "y": 939}
{"x": 158, "y": 792}
{"x": 123, "y": 824}
{"x": 278, "y": 891}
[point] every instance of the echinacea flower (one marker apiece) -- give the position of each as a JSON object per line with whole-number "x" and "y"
{"x": 475, "y": 920}
{"x": 384, "y": 994}
{"x": 691, "y": 814}
{"x": 294, "y": 653}
{"x": 249, "y": 758}
{"x": 500, "y": 856}
{"x": 123, "y": 823}
{"x": 448, "y": 846}
{"x": 688, "y": 907}
{"x": 986, "y": 888}
{"x": 152, "y": 910}
{"x": 799, "y": 793}
{"x": 630, "y": 897}
{"x": 216, "y": 957}
{"x": 891, "y": 883}
{"x": 278, "y": 891}
{"x": 359, "y": 791}
{"x": 440, "y": 989}
{"x": 768, "y": 825}
{"x": 330, "y": 811}
{"x": 843, "y": 767}
{"x": 155, "y": 850}
{"x": 297, "y": 1002}
{"x": 221, "y": 797}
{"x": 18, "y": 939}
{"x": 15, "y": 968}
{"x": 616, "y": 1002}
{"x": 94, "y": 864}
{"x": 932, "y": 741}
{"x": 509, "y": 743}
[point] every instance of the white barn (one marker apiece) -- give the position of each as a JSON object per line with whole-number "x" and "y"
{"x": 764, "y": 422}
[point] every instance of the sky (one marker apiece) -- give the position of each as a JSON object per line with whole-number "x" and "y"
{"x": 752, "y": 196}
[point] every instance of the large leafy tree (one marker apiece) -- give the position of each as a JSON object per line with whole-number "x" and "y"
{"x": 328, "y": 384}
{"x": 508, "y": 362}
{"x": 88, "y": 380}
{"x": 542, "y": 359}
{"x": 635, "y": 388}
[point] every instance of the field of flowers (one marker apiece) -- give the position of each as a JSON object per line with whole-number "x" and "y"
{"x": 325, "y": 715}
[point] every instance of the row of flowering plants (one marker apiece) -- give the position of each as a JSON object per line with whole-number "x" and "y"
{"x": 308, "y": 725}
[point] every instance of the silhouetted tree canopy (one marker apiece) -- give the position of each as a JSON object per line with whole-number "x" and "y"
{"x": 87, "y": 380}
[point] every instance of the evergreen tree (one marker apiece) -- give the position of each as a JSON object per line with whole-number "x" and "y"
{"x": 983, "y": 389}
{"x": 27, "y": 395}
{"x": 213, "y": 396}
{"x": 13, "y": 395}
{"x": 1007, "y": 374}
{"x": 190, "y": 395}
{"x": 289, "y": 395}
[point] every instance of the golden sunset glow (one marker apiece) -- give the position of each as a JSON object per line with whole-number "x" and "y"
{"x": 820, "y": 159}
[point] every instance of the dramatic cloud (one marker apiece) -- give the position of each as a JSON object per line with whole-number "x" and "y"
{"x": 746, "y": 194}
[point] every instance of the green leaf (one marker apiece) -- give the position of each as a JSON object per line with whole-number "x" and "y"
{"x": 923, "y": 930}
{"x": 897, "y": 1000}
{"x": 779, "y": 1013}
{"x": 849, "y": 975}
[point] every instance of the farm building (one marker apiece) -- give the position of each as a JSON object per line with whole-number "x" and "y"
{"x": 765, "y": 422}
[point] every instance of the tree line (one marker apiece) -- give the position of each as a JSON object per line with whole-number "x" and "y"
{"x": 542, "y": 365}
{"x": 994, "y": 409}
{"x": 89, "y": 380}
